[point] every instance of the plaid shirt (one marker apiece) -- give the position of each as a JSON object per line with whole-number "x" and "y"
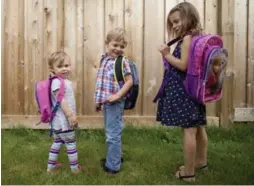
{"x": 106, "y": 83}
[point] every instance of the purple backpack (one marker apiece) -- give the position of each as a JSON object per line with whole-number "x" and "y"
{"x": 206, "y": 68}
{"x": 43, "y": 98}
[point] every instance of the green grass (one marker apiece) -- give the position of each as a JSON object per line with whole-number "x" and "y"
{"x": 151, "y": 156}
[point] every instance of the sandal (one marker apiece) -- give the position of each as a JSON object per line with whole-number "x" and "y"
{"x": 57, "y": 166}
{"x": 203, "y": 168}
{"x": 77, "y": 170}
{"x": 188, "y": 178}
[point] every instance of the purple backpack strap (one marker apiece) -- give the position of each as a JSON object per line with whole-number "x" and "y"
{"x": 167, "y": 67}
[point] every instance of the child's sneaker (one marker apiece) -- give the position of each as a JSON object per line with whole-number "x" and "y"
{"x": 78, "y": 170}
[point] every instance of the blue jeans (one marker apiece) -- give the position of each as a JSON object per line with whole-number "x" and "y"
{"x": 113, "y": 124}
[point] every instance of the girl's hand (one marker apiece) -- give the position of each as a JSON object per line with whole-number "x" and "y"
{"x": 113, "y": 98}
{"x": 73, "y": 121}
{"x": 164, "y": 49}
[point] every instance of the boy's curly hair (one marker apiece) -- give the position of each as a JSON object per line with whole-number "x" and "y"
{"x": 117, "y": 34}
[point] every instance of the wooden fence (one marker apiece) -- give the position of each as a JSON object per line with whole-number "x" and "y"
{"x": 32, "y": 29}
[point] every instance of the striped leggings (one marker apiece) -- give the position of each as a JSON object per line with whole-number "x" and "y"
{"x": 67, "y": 138}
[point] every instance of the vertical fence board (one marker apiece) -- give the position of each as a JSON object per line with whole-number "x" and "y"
{"x": 21, "y": 44}
{"x": 93, "y": 49}
{"x": 250, "y": 75}
{"x": 34, "y": 65}
{"x": 11, "y": 39}
{"x": 240, "y": 54}
{"x": 200, "y": 6}
{"x": 80, "y": 56}
{"x": 134, "y": 27}
{"x": 114, "y": 14}
{"x": 211, "y": 26}
{"x": 227, "y": 32}
{"x": 13, "y": 58}
{"x": 153, "y": 67}
{"x": 169, "y": 4}
{"x": 60, "y": 24}
{"x": 32, "y": 29}
{"x": 50, "y": 32}
{"x": 3, "y": 71}
{"x": 70, "y": 41}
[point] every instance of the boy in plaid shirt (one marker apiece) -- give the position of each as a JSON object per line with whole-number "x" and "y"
{"x": 111, "y": 97}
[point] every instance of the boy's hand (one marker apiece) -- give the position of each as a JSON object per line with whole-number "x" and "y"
{"x": 113, "y": 98}
{"x": 164, "y": 49}
{"x": 73, "y": 121}
{"x": 98, "y": 107}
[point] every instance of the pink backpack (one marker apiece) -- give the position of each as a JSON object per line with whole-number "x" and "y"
{"x": 206, "y": 68}
{"x": 43, "y": 98}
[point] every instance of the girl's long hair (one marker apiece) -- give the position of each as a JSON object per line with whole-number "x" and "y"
{"x": 189, "y": 17}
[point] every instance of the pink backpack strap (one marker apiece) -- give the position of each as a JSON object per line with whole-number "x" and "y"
{"x": 60, "y": 95}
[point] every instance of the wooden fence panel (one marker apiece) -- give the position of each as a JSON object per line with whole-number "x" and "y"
{"x": 60, "y": 25}
{"x": 80, "y": 56}
{"x": 3, "y": 17}
{"x": 153, "y": 67}
{"x": 211, "y": 26}
{"x": 114, "y": 14}
{"x": 50, "y": 31}
{"x": 169, "y": 4}
{"x": 73, "y": 47}
{"x": 34, "y": 65}
{"x": 250, "y": 80}
{"x": 33, "y": 29}
{"x": 133, "y": 24}
{"x": 93, "y": 49}
{"x": 200, "y": 6}
{"x": 227, "y": 31}
{"x": 240, "y": 53}
{"x": 13, "y": 57}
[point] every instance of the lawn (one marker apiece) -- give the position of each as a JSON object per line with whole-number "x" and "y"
{"x": 151, "y": 156}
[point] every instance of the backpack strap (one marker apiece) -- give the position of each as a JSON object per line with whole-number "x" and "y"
{"x": 60, "y": 95}
{"x": 118, "y": 70}
{"x": 59, "y": 99}
{"x": 167, "y": 69}
{"x": 174, "y": 41}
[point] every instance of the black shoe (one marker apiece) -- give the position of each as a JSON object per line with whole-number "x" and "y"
{"x": 108, "y": 170}
{"x": 103, "y": 161}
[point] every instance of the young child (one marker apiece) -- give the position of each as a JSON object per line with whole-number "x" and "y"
{"x": 110, "y": 96}
{"x": 65, "y": 119}
{"x": 176, "y": 108}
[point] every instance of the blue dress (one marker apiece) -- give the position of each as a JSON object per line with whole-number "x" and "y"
{"x": 176, "y": 107}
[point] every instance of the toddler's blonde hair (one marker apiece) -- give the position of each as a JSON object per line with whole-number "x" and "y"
{"x": 58, "y": 56}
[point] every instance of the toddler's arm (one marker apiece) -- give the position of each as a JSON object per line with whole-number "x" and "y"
{"x": 68, "y": 112}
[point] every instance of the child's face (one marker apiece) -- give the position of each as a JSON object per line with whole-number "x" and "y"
{"x": 62, "y": 69}
{"x": 176, "y": 22}
{"x": 216, "y": 65}
{"x": 216, "y": 68}
{"x": 115, "y": 48}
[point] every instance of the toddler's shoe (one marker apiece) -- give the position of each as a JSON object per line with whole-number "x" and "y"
{"x": 78, "y": 170}
{"x": 53, "y": 170}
